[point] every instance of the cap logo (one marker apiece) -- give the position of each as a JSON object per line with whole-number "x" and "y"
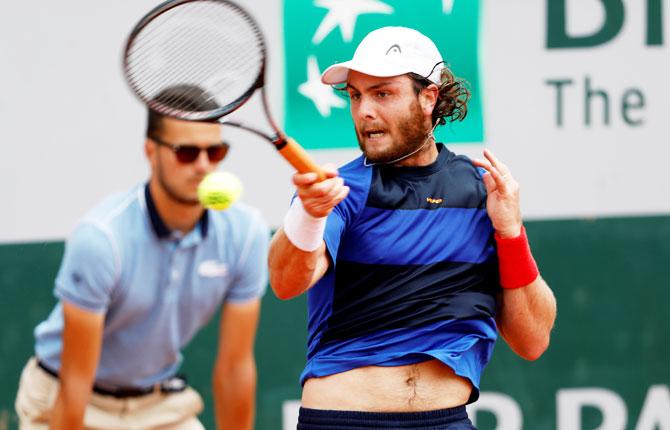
{"x": 394, "y": 49}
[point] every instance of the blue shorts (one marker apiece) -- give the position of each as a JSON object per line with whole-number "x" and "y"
{"x": 442, "y": 419}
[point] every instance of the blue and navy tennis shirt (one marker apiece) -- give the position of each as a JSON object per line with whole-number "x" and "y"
{"x": 414, "y": 273}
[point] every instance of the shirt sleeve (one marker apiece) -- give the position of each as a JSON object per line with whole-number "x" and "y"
{"x": 88, "y": 271}
{"x": 335, "y": 224}
{"x": 334, "y": 230}
{"x": 251, "y": 278}
{"x": 358, "y": 178}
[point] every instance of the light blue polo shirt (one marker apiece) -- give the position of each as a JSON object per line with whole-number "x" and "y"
{"x": 157, "y": 288}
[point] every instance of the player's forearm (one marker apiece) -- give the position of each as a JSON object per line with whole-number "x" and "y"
{"x": 292, "y": 270}
{"x": 234, "y": 396}
{"x": 526, "y": 317}
{"x": 70, "y": 404}
{"x": 82, "y": 344}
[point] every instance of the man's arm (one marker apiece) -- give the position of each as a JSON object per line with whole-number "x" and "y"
{"x": 525, "y": 318}
{"x": 292, "y": 270}
{"x": 527, "y": 305}
{"x": 295, "y": 268}
{"x": 82, "y": 342}
{"x": 234, "y": 378}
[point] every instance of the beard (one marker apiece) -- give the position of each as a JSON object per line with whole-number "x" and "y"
{"x": 411, "y": 135}
{"x": 171, "y": 190}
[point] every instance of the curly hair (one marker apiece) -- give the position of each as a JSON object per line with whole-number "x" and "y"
{"x": 452, "y": 99}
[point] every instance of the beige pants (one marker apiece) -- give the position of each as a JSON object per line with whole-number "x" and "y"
{"x": 158, "y": 411}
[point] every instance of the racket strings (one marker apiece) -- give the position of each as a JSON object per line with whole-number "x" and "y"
{"x": 183, "y": 64}
{"x": 208, "y": 44}
{"x": 184, "y": 26}
{"x": 172, "y": 65}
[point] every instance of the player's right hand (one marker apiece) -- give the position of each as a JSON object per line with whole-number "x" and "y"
{"x": 319, "y": 198}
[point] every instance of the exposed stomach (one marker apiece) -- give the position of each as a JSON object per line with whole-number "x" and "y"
{"x": 424, "y": 386}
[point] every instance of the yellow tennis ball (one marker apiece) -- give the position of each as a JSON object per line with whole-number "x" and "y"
{"x": 219, "y": 190}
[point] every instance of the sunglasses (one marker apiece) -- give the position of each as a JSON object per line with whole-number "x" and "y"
{"x": 190, "y": 153}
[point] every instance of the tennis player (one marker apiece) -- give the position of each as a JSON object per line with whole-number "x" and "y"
{"x": 141, "y": 274}
{"x": 414, "y": 258}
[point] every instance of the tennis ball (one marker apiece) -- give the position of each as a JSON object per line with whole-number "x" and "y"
{"x": 219, "y": 190}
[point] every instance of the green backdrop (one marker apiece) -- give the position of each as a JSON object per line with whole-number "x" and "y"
{"x": 611, "y": 278}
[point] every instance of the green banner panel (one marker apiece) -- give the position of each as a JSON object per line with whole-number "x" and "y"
{"x": 318, "y": 34}
{"x": 608, "y": 354}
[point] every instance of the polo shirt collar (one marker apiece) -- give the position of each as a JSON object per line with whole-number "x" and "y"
{"x": 157, "y": 223}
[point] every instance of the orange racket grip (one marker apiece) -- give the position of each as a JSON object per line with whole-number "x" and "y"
{"x": 298, "y": 157}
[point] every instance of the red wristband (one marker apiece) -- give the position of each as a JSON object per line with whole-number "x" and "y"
{"x": 515, "y": 261}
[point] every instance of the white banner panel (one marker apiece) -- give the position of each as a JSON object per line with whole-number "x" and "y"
{"x": 574, "y": 97}
{"x": 597, "y": 144}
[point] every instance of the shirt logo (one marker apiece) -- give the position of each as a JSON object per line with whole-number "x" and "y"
{"x": 434, "y": 201}
{"x": 212, "y": 269}
{"x": 77, "y": 278}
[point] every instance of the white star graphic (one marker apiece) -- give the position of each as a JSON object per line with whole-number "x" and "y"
{"x": 343, "y": 13}
{"x": 447, "y": 6}
{"x": 323, "y": 96}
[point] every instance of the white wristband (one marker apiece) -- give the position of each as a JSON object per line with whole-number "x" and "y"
{"x": 302, "y": 229}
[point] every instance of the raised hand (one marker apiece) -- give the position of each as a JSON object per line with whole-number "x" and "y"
{"x": 502, "y": 202}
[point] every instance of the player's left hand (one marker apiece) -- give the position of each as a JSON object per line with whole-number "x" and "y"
{"x": 502, "y": 202}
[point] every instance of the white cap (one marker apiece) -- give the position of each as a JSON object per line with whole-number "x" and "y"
{"x": 390, "y": 51}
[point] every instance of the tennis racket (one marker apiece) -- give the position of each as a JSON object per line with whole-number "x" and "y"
{"x": 212, "y": 45}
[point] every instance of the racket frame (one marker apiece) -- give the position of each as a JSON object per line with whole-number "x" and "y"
{"x": 287, "y": 147}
